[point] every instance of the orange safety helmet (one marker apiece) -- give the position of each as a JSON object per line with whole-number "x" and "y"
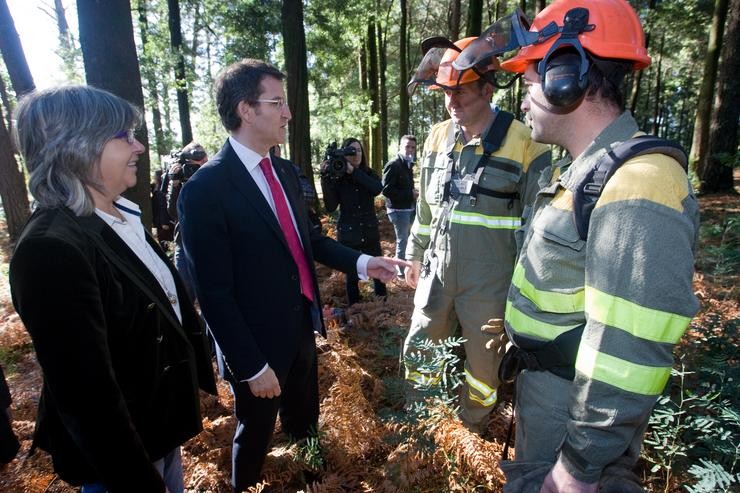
{"x": 616, "y": 33}
{"x": 449, "y": 77}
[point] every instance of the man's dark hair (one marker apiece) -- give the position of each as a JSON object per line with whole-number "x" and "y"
{"x": 605, "y": 77}
{"x": 409, "y": 137}
{"x": 241, "y": 81}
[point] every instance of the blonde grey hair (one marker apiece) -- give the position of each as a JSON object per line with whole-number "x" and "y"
{"x": 61, "y": 133}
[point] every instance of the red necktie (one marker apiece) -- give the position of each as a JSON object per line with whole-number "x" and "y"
{"x": 289, "y": 231}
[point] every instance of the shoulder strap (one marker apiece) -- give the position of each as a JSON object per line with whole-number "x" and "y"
{"x": 491, "y": 143}
{"x": 588, "y": 190}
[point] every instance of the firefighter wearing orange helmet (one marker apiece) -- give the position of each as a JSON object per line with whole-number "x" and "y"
{"x": 479, "y": 171}
{"x": 601, "y": 290}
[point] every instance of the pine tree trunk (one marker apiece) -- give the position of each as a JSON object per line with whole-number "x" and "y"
{"x": 374, "y": 89}
{"x": 12, "y": 51}
{"x": 382, "y": 63}
{"x": 151, "y": 82}
{"x": 475, "y": 16}
{"x": 294, "y": 45}
{"x": 455, "y": 9}
{"x": 722, "y": 155}
{"x": 403, "y": 96}
{"x": 658, "y": 89}
{"x": 109, "y": 55}
{"x": 13, "y": 193}
{"x": 700, "y": 141}
{"x": 181, "y": 82}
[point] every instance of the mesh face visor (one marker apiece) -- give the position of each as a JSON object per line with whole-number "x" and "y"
{"x": 508, "y": 33}
{"x": 429, "y": 67}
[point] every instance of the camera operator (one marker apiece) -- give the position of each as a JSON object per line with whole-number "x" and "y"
{"x": 348, "y": 183}
{"x": 189, "y": 160}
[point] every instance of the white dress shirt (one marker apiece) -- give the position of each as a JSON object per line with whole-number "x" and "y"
{"x": 131, "y": 231}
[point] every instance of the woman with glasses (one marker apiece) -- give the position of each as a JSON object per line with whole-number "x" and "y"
{"x": 353, "y": 188}
{"x": 120, "y": 346}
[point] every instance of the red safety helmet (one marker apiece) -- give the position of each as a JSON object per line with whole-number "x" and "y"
{"x": 614, "y": 32}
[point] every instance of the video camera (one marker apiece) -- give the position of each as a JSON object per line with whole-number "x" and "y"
{"x": 187, "y": 166}
{"x": 337, "y": 159}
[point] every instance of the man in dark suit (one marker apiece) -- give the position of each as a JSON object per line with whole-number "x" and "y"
{"x": 251, "y": 248}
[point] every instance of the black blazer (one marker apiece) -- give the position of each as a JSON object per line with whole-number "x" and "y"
{"x": 398, "y": 184}
{"x": 354, "y": 194}
{"x": 121, "y": 373}
{"x": 246, "y": 279}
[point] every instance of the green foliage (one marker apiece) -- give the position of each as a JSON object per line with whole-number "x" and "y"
{"x": 695, "y": 426}
{"x": 723, "y": 257}
{"x": 309, "y": 450}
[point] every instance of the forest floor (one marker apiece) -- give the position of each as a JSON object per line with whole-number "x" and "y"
{"x": 367, "y": 443}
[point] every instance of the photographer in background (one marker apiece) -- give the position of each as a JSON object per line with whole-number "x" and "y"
{"x": 188, "y": 161}
{"x": 348, "y": 183}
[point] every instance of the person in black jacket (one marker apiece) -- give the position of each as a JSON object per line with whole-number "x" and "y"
{"x": 121, "y": 348}
{"x": 354, "y": 192}
{"x": 400, "y": 194}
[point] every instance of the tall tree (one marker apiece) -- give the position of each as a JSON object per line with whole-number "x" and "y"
{"x": 181, "y": 81}
{"x": 68, "y": 51}
{"x": 382, "y": 65}
{"x": 455, "y": 9}
{"x": 12, "y": 51}
{"x": 109, "y": 55}
{"x": 716, "y": 172}
{"x": 658, "y": 88}
{"x": 148, "y": 69}
{"x": 706, "y": 94}
{"x": 403, "y": 69}
{"x": 13, "y": 192}
{"x": 475, "y": 18}
{"x": 374, "y": 89}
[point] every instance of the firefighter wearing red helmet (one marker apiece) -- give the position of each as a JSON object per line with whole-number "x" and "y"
{"x": 595, "y": 306}
{"x": 479, "y": 170}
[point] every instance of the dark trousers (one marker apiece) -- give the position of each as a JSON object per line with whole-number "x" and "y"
{"x": 298, "y": 406}
{"x": 369, "y": 247}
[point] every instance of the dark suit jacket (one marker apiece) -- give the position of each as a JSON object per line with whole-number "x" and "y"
{"x": 398, "y": 184}
{"x": 246, "y": 279}
{"x": 121, "y": 373}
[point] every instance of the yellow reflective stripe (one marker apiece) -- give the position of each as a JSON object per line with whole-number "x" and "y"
{"x": 417, "y": 377}
{"x": 487, "y": 392}
{"x": 423, "y": 229}
{"x": 526, "y": 325}
{"x": 646, "y": 323}
{"x": 491, "y": 222}
{"x": 640, "y": 379}
{"x": 547, "y": 301}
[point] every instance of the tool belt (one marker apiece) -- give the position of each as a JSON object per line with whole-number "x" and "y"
{"x": 557, "y": 356}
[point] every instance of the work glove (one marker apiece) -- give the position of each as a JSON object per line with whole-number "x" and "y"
{"x": 497, "y": 340}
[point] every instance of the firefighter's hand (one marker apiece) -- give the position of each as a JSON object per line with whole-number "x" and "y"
{"x": 412, "y": 273}
{"x": 494, "y": 329}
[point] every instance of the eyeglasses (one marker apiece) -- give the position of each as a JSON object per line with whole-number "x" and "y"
{"x": 126, "y": 134}
{"x": 279, "y": 103}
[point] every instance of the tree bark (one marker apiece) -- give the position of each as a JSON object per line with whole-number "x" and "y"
{"x": 374, "y": 88}
{"x": 296, "y": 66}
{"x": 151, "y": 81}
{"x": 706, "y": 93}
{"x": 382, "y": 65}
{"x": 475, "y": 17}
{"x": 109, "y": 55}
{"x": 403, "y": 99}
{"x": 455, "y": 9}
{"x": 716, "y": 174}
{"x": 364, "y": 79}
{"x": 658, "y": 89}
{"x": 12, "y": 51}
{"x": 181, "y": 82}
{"x": 13, "y": 193}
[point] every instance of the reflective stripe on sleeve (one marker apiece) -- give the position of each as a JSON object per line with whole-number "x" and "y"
{"x": 526, "y": 325}
{"x": 547, "y": 301}
{"x": 640, "y": 379}
{"x": 646, "y": 323}
{"x": 422, "y": 229}
{"x": 490, "y": 222}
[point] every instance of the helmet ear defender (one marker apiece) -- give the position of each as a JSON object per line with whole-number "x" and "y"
{"x": 564, "y": 69}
